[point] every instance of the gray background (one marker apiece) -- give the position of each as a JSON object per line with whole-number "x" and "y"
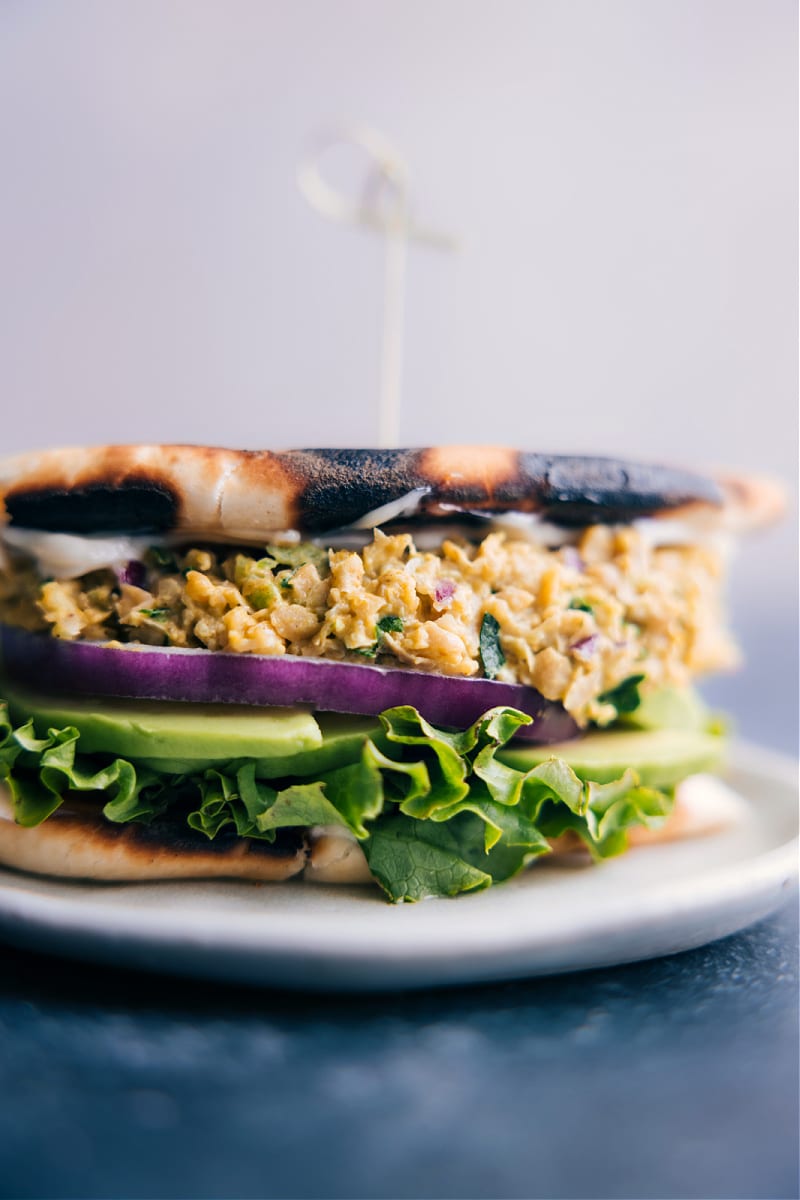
{"x": 622, "y": 173}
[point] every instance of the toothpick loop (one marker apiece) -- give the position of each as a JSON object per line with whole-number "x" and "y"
{"x": 383, "y": 207}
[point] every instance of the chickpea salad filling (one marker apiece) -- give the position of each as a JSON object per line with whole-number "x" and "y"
{"x": 576, "y": 623}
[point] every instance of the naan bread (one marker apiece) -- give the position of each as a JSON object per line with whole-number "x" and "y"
{"x": 77, "y": 842}
{"x": 238, "y": 495}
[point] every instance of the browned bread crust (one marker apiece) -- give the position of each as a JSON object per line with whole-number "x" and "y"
{"x": 236, "y": 494}
{"x": 77, "y": 842}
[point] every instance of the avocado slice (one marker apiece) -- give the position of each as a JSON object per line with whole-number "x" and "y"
{"x": 660, "y": 757}
{"x": 171, "y": 735}
{"x": 343, "y": 739}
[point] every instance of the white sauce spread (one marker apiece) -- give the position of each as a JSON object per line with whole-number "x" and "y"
{"x": 67, "y": 555}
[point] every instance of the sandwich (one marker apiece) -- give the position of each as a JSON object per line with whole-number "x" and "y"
{"x": 423, "y": 668}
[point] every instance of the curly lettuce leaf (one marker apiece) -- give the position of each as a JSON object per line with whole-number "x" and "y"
{"x": 435, "y": 811}
{"x": 606, "y": 813}
{"x": 220, "y": 804}
{"x": 38, "y": 771}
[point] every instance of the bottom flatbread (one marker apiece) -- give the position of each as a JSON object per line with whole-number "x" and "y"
{"x": 76, "y": 842}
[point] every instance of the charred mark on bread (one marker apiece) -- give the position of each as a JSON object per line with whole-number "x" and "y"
{"x": 170, "y": 832}
{"x": 585, "y": 491}
{"x": 132, "y": 506}
{"x": 178, "y": 836}
{"x": 337, "y": 487}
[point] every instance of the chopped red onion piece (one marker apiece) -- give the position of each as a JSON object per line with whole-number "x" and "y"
{"x": 444, "y": 591}
{"x": 586, "y": 648}
{"x": 572, "y": 558}
{"x": 134, "y": 573}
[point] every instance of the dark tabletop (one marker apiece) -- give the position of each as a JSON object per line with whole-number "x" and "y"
{"x": 673, "y": 1078}
{"x": 676, "y": 1077}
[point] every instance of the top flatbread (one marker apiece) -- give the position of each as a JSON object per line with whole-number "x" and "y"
{"x": 239, "y": 494}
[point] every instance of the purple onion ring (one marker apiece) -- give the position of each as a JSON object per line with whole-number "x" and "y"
{"x": 214, "y": 677}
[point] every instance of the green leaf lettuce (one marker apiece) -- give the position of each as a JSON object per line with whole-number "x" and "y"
{"x": 435, "y": 811}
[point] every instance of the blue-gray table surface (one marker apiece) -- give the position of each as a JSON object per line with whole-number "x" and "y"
{"x": 676, "y": 1077}
{"x": 672, "y": 1078}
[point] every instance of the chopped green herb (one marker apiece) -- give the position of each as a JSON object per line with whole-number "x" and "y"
{"x": 625, "y": 696}
{"x": 492, "y": 657}
{"x": 390, "y": 623}
{"x": 155, "y": 614}
{"x": 580, "y": 605}
{"x": 365, "y": 651}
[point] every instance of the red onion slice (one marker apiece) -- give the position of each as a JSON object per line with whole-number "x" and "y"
{"x": 212, "y": 677}
{"x": 133, "y": 573}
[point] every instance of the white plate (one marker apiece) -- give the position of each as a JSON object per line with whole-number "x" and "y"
{"x": 650, "y": 902}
